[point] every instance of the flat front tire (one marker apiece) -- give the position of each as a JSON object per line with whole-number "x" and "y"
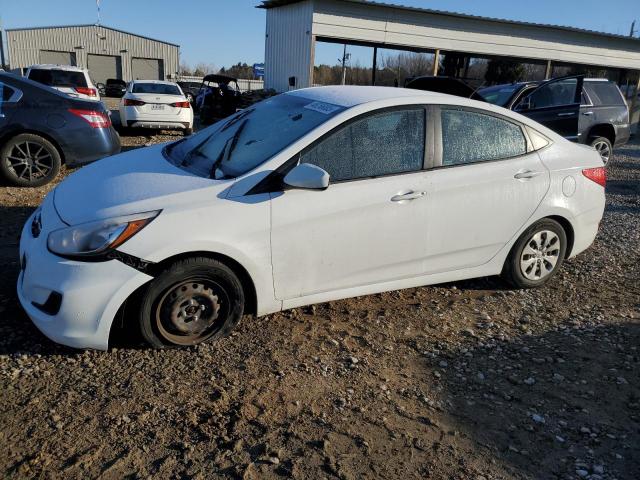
{"x": 193, "y": 301}
{"x": 537, "y": 255}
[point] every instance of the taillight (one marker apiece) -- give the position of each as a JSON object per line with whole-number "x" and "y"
{"x": 181, "y": 105}
{"x": 132, "y": 103}
{"x": 598, "y": 175}
{"x": 91, "y": 92}
{"x": 93, "y": 118}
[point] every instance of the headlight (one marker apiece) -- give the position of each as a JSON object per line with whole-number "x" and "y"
{"x": 95, "y": 238}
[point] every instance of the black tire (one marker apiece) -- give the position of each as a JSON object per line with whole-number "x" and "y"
{"x": 172, "y": 305}
{"x": 29, "y": 160}
{"x": 604, "y": 147}
{"x": 514, "y": 270}
{"x": 187, "y": 131}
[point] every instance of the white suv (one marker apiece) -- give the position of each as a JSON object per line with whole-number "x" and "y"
{"x": 74, "y": 81}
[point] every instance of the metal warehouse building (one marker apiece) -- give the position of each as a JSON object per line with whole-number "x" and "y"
{"x": 106, "y": 52}
{"x": 455, "y": 42}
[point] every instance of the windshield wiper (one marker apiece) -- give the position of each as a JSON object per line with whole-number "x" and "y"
{"x": 232, "y": 142}
{"x": 237, "y": 118}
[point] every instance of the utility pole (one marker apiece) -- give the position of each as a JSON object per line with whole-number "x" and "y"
{"x": 345, "y": 57}
{"x": 2, "y": 64}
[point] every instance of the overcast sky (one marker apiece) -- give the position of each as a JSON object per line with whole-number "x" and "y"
{"x": 223, "y": 32}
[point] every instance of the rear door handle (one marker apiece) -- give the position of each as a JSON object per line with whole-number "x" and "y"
{"x": 403, "y": 197}
{"x": 525, "y": 174}
{"x": 567, "y": 114}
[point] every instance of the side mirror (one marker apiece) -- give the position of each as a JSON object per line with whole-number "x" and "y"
{"x": 307, "y": 177}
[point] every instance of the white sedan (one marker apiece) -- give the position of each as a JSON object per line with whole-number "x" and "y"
{"x": 156, "y": 104}
{"x": 310, "y": 196}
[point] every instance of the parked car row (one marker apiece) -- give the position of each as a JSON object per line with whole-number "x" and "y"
{"x": 585, "y": 110}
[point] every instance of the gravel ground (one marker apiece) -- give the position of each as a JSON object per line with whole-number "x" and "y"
{"x": 462, "y": 381}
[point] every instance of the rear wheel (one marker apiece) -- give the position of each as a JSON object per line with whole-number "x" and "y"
{"x": 537, "y": 255}
{"x": 187, "y": 131}
{"x": 604, "y": 147}
{"x": 193, "y": 301}
{"x": 29, "y": 160}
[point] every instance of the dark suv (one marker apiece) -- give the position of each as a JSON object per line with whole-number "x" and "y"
{"x": 585, "y": 110}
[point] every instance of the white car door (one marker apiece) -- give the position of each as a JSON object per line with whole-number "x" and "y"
{"x": 369, "y": 226}
{"x": 488, "y": 185}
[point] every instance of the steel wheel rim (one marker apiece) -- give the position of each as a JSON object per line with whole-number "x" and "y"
{"x": 540, "y": 255}
{"x": 191, "y": 311}
{"x": 30, "y": 161}
{"x": 603, "y": 149}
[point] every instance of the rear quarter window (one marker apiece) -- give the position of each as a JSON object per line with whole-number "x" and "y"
{"x": 603, "y": 93}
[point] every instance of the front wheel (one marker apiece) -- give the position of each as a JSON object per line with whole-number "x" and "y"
{"x": 537, "y": 255}
{"x": 604, "y": 147}
{"x": 193, "y": 301}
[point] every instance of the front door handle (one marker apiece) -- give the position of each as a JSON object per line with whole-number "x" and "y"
{"x": 567, "y": 114}
{"x": 588, "y": 113}
{"x": 526, "y": 174}
{"x": 403, "y": 197}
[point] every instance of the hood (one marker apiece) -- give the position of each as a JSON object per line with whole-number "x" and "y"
{"x": 140, "y": 180}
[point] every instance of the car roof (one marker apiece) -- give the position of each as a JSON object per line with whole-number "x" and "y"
{"x": 49, "y": 66}
{"x": 350, "y": 95}
{"x": 159, "y": 82}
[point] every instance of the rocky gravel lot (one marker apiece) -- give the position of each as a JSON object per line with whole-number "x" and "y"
{"x": 462, "y": 381}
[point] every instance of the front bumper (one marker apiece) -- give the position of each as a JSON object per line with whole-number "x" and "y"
{"x": 91, "y": 293}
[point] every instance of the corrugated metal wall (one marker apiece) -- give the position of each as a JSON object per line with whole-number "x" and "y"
{"x": 24, "y": 46}
{"x": 289, "y": 46}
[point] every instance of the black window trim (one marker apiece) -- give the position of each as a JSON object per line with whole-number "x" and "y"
{"x": 438, "y": 136}
{"x": 15, "y": 96}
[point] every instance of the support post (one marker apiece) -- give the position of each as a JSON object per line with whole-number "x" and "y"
{"x": 436, "y": 62}
{"x": 375, "y": 65}
{"x": 634, "y": 102}
{"x": 547, "y": 73}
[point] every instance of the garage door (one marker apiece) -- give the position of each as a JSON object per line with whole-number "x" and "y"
{"x": 147, "y": 69}
{"x": 102, "y": 67}
{"x": 57, "y": 58}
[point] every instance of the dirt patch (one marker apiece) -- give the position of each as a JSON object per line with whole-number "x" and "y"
{"x": 469, "y": 380}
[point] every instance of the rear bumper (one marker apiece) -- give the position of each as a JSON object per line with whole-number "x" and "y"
{"x": 585, "y": 229}
{"x": 158, "y": 125}
{"x": 102, "y": 142}
{"x": 623, "y": 132}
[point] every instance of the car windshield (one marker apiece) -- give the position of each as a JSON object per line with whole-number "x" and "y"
{"x": 500, "y": 94}
{"x": 58, "y": 78}
{"x": 240, "y": 143}
{"x": 156, "y": 88}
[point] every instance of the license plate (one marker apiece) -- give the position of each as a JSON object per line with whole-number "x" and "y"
{"x": 157, "y": 107}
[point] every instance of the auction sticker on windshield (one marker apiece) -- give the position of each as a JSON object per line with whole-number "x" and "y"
{"x": 322, "y": 107}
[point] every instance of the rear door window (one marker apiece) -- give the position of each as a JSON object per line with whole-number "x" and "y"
{"x": 603, "y": 93}
{"x": 470, "y": 137}
{"x": 385, "y": 143}
{"x": 58, "y": 78}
